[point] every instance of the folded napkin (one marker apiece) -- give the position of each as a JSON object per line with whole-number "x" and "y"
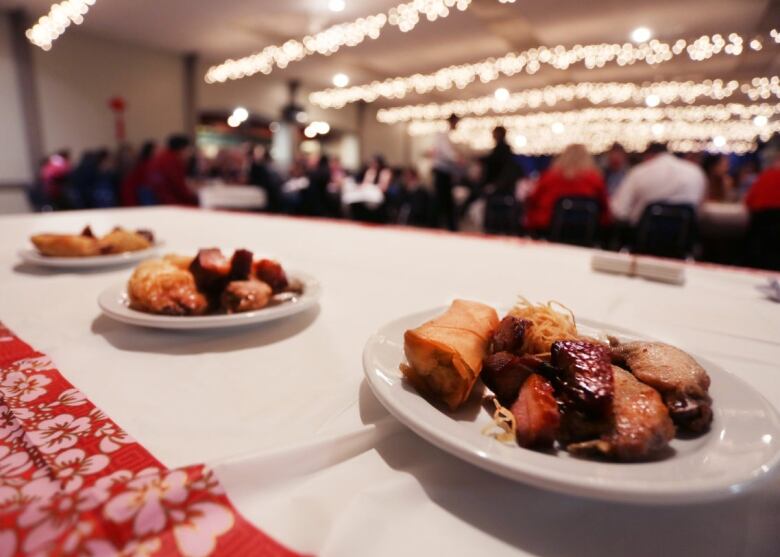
{"x": 771, "y": 289}
{"x": 632, "y": 265}
{"x": 72, "y": 482}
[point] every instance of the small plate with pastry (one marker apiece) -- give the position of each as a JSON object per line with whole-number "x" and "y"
{"x": 571, "y": 405}
{"x": 88, "y": 251}
{"x": 209, "y": 291}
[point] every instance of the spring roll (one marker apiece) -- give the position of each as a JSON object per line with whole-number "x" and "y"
{"x": 445, "y": 354}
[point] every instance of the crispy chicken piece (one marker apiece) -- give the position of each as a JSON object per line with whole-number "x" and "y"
{"x": 682, "y": 382}
{"x": 66, "y": 245}
{"x": 159, "y": 286}
{"x": 271, "y": 273}
{"x": 504, "y": 374}
{"x": 536, "y": 413}
{"x": 640, "y": 428}
{"x": 123, "y": 241}
{"x": 183, "y": 262}
{"x": 509, "y": 335}
{"x": 211, "y": 270}
{"x": 246, "y": 295}
{"x": 586, "y": 380}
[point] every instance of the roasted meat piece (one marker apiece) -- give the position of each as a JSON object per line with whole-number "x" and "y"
{"x": 504, "y": 374}
{"x": 211, "y": 270}
{"x": 159, "y": 286}
{"x": 87, "y": 232}
{"x": 536, "y": 413}
{"x": 585, "y": 382}
{"x": 241, "y": 265}
{"x": 682, "y": 382}
{"x": 509, "y": 335}
{"x": 640, "y": 428}
{"x": 245, "y": 295}
{"x": 271, "y": 273}
{"x": 148, "y": 234}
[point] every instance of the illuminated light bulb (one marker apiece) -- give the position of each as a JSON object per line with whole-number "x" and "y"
{"x": 501, "y": 94}
{"x": 337, "y": 5}
{"x": 233, "y": 122}
{"x": 241, "y": 114}
{"x": 641, "y": 35}
{"x": 558, "y": 128}
{"x": 657, "y": 129}
{"x": 652, "y": 100}
{"x": 50, "y": 26}
{"x": 340, "y": 80}
{"x": 719, "y": 141}
{"x": 760, "y": 121}
{"x": 310, "y": 132}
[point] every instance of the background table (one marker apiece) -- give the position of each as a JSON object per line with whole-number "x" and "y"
{"x": 303, "y": 448}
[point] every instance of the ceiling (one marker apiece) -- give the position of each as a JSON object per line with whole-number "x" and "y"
{"x": 230, "y": 28}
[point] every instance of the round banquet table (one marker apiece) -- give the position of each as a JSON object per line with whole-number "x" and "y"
{"x": 230, "y": 196}
{"x": 305, "y": 452}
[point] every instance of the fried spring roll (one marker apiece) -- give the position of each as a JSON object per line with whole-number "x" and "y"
{"x": 445, "y": 354}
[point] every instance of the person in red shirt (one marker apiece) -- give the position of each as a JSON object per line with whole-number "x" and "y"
{"x": 167, "y": 175}
{"x": 764, "y": 194}
{"x": 135, "y": 189}
{"x": 574, "y": 173}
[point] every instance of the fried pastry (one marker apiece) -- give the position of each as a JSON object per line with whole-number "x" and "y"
{"x": 682, "y": 382}
{"x": 123, "y": 241}
{"x": 445, "y": 354}
{"x": 159, "y": 286}
{"x": 66, "y": 245}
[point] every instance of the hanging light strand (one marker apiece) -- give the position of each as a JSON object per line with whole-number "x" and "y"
{"x": 530, "y": 61}
{"x": 49, "y": 27}
{"x": 666, "y": 92}
{"x": 405, "y": 16}
{"x": 685, "y": 128}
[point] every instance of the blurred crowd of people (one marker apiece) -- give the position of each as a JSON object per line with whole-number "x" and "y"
{"x": 462, "y": 190}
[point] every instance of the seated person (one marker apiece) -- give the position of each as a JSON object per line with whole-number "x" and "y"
{"x": 574, "y": 173}
{"x": 661, "y": 178}
{"x": 764, "y": 195}
{"x": 167, "y": 173}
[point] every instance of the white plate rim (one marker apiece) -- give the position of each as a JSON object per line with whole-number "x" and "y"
{"x": 548, "y": 478}
{"x": 33, "y": 257}
{"x": 112, "y": 301}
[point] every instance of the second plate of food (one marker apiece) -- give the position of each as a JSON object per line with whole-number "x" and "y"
{"x": 87, "y": 251}
{"x": 209, "y": 291}
{"x": 592, "y": 429}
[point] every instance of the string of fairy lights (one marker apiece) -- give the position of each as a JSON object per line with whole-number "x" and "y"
{"x": 592, "y": 56}
{"x": 50, "y": 26}
{"x": 405, "y": 17}
{"x": 651, "y": 94}
{"x": 733, "y": 127}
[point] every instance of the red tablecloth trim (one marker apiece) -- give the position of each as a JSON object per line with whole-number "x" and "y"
{"x": 72, "y": 482}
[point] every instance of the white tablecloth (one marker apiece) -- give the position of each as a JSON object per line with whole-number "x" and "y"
{"x": 304, "y": 449}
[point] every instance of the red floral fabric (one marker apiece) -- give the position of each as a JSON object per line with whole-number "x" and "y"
{"x": 73, "y": 483}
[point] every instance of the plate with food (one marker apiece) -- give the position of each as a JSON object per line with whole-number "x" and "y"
{"x": 86, "y": 250}
{"x": 572, "y": 405}
{"x": 209, "y": 291}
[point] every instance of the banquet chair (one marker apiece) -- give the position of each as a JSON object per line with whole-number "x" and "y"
{"x": 502, "y": 215}
{"x": 763, "y": 241}
{"x": 666, "y": 230}
{"x": 575, "y": 221}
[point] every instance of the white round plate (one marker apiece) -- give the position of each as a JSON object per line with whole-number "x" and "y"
{"x": 115, "y": 304}
{"x": 33, "y": 257}
{"x": 741, "y": 447}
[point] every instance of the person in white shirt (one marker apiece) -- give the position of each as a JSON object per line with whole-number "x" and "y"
{"x": 662, "y": 178}
{"x": 445, "y": 168}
